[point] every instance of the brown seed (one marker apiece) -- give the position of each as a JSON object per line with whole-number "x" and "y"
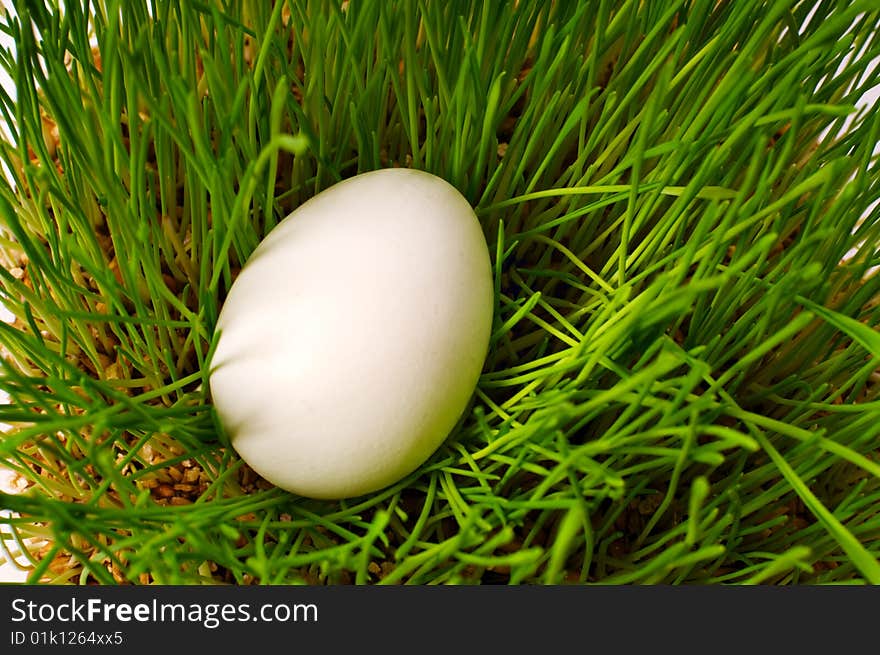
{"x": 180, "y": 500}
{"x": 114, "y": 268}
{"x": 113, "y": 372}
{"x": 165, "y": 490}
{"x": 117, "y": 574}
{"x": 96, "y": 57}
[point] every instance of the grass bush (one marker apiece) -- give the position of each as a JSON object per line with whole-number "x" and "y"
{"x": 680, "y": 198}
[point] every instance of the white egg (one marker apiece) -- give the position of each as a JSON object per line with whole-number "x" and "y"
{"x": 354, "y": 336}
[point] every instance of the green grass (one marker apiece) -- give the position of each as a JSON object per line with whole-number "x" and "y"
{"x": 682, "y": 384}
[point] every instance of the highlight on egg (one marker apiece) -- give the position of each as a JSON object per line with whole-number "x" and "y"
{"x": 353, "y": 338}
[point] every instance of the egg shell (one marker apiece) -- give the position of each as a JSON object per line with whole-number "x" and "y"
{"x": 354, "y": 336}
